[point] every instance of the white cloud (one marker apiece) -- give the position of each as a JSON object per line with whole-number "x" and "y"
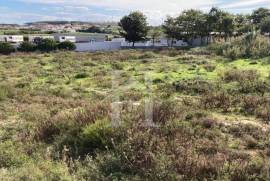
{"x": 246, "y": 3}
{"x": 156, "y": 10}
{"x": 163, "y": 6}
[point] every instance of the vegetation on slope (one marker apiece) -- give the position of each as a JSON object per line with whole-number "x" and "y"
{"x": 211, "y": 116}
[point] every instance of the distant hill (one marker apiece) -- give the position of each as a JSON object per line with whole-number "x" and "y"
{"x": 71, "y": 22}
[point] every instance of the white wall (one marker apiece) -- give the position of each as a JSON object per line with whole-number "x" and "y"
{"x": 118, "y": 40}
{"x": 161, "y": 43}
{"x": 33, "y": 37}
{"x": 14, "y": 38}
{"x": 2, "y": 38}
{"x": 98, "y": 46}
{"x": 65, "y": 38}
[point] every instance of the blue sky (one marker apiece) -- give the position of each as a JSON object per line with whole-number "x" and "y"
{"x": 21, "y": 11}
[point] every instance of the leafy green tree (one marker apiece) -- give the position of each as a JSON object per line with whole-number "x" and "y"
{"x": 134, "y": 27}
{"x": 47, "y": 45}
{"x": 265, "y": 25}
{"x": 214, "y": 19}
{"x": 171, "y": 29}
{"x": 193, "y": 23}
{"x": 242, "y": 24}
{"x": 221, "y": 22}
{"x": 27, "y": 47}
{"x": 154, "y": 34}
{"x": 227, "y": 25}
{"x": 258, "y": 15}
{"x": 67, "y": 45}
{"x": 6, "y": 48}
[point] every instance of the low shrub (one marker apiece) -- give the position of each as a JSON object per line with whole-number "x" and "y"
{"x": 117, "y": 66}
{"x": 67, "y": 45}
{"x": 10, "y": 156}
{"x": 196, "y": 86}
{"x": 218, "y": 100}
{"x": 236, "y": 75}
{"x": 26, "y": 47}
{"x": 147, "y": 55}
{"x": 251, "y": 143}
{"x": 209, "y": 67}
{"x": 6, "y": 91}
{"x": 97, "y": 136}
{"x": 47, "y": 45}
{"x": 81, "y": 75}
{"x": 6, "y": 48}
{"x": 256, "y": 46}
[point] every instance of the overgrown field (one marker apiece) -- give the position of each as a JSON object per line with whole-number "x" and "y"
{"x": 210, "y": 116}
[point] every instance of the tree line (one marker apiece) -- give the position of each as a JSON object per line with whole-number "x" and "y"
{"x": 193, "y": 23}
{"x": 42, "y": 45}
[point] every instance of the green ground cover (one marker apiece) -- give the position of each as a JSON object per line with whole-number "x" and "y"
{"x": 211, "y": 116}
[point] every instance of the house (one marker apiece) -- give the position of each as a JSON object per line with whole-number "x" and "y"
{"x": 12, "y": 38}
{"x": 63, "y": 38}
{"x": 2, "y": 38}
{"x": 33, "y": 38}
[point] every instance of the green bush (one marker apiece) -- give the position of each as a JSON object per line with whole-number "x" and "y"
{"x": 67, "y": 45}
{"x": 81, "y": 75}
{"x": 10, "y": 156}
{"x": 256, "y": 46}
{"x": 6, "y": 92}
{"x": 6, "y": 48}
{"x": 236, "y": 75}
{"x": 47, "y": 45}
{"x": 27, "y": 47}
{"x": 38, "y": 171}
{"x": 97, "y": 136}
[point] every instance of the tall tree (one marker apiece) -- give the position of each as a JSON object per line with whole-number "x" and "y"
{"x": 214, "y": 19}
{"x": 242, "y": 23}
{"x": 221, "y": 22}
{"x": 259, "y": 14}
{"x": 155, "y": 33}
{"x": 227, "y": 25}
{"x": 265, "y": 25}
{"x": 193, "y": 24}
{"x": 134, "y": 27}
{"x": 171, "y": 29}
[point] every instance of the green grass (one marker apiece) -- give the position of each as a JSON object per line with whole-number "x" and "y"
{"x": 53, "y": 107}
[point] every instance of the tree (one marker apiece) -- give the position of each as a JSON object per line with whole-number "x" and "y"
{"x": 227, "y": 25}
{"x": 214, "y": 19}
{"x": 134, "y": 27}
{"x": 27, "y": 47}
{"x": 47, "y": 45}
{"x": 171, "y": 29}
{"x": 265, "y": 25}
{"x": 193, "y": 23}
{"x": 6, "y": 48}
{"x": 221, "y": 22}
{"x": 242, "y": 24}
{"x": 155, "y": 33}
{"x": 260, "y": 14}
{"x": 67, "y": 45}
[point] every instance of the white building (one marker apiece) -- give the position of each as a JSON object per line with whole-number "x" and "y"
{"x": 32, "y": 38}
{"x": 65, "y": 38}
{"x": 2, "y": 38}
{"x": 12, "y": 38}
